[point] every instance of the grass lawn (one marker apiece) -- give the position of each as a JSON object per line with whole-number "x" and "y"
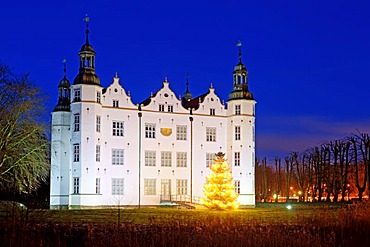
{"x": 267, "y": 225}
{"x": 265, "y": 215}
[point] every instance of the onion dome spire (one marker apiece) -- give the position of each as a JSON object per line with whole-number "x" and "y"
{"x": 63, "y": 92}
{"x": 187, "y": 96}
{"x": 240, "y": 74}
{"x": 87, "y": 55}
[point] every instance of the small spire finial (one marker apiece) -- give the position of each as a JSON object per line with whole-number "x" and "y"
{"x": 165, "y": 79}
{"x": 87, "y": 19}
{"x": 239, "y": 44}
{"x": 116, "y": 74}
{"x": 187, "y": 82}
{"x": 65, "y": 66}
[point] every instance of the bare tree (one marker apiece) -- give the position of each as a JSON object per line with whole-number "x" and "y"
{"x": 360, "y": 183}
{"x": 24, "y": 155}
{"x": 288, "y": 174}
{"x": 278, "y": 177}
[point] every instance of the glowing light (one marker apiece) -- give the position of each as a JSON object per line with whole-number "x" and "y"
{"x": 289, "y": 207}
{"x": 219, "y": 189}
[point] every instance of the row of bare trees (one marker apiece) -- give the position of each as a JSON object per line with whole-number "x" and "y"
{"x": 330, "y": 172}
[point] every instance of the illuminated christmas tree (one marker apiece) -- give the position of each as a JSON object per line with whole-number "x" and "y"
{"x": 219, "y": 189}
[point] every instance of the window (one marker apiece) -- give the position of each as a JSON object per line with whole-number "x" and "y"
{"x": 117, "y": 128}
{"x": 237, "y": 109}
{"x": 254, "y": 134}
{"x": 161, "y": 107}
{"x": 115, "y": 103}
{"x": 98, "y": 97}
{"x": 181, "y": 159}
{"x": 117, "y": 156}
{"x": 149, "y": 158}
{"x": 97, "y": 153}
{"x": 149, "y": 186}
{"x": 117, "y": 186}
{"x": 149, "y": 130}
{"x": 97, "y": 185}
{"x": 212, "y": 111}
{"x": 210, "y": 157}
{"x": 77, "y": 95}
{"x": 237, "y": 186}
{"x": 210, "y": 134}
{"x": 76, "y": 122}
{"x": 166, "y": 158}
{"x": 237, "y": 158}
{"x": 98, "y": 121}
{"x": 76, "y": 185}
{"x": 181, "y": 132}
{"x": 76, "y": 152}
{"x": 237, "y": 133}
{"x": 181, "y": 186}
{"x": 170, "y": 108}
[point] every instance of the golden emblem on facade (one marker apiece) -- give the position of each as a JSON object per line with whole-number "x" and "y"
{"x": 166, "y": 131}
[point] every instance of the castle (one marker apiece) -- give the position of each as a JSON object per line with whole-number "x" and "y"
{"x": 108, "y": 151}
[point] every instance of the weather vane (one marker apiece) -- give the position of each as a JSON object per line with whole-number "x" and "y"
{"x": 65, "y": 65}
{"x": 239, "y": 44}
{"x": 86, "y": 19}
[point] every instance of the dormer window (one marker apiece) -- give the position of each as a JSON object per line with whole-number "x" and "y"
{"x": 161, "y": 107}
{"x": 115, "y": 103}
{"x": 212, "y": 111}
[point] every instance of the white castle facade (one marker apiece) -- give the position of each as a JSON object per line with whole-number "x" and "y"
{"x": 108, "y": 151}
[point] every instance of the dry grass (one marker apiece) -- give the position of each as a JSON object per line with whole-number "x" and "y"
{"x": 303, "y": 226}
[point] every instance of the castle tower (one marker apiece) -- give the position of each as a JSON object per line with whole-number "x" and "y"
{"x": 85, "y": 117}
{"x": 60, "y": 147}
{"x": 241, "y": 134}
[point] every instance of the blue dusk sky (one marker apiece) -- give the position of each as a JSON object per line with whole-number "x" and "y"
{"x": 308, "y": 61}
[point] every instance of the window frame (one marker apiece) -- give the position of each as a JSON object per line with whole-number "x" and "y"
{"x": 150, "y": 186}
{"x": 76, "y": 152}
{"x": 118, "y": 186}
{"x": 76, "y": 185}
{"x": 118, "y": 128}
{"x": 98, "y": 97}
{"x": 150, "y": 129}
{"x": 181, "y": 186}
{"x": 97, "y": 152}
{"x": 166, "y": 158}
{"x": 181, "y": 159}
{"x": 97, "y": 186}
{"x": 118, "y": 157}
{"x": 181, "y": 132}
{"x": 237, "y": 158}
{"x": 237, "y": 186}
{"x": 150, "y": 158}
{"x": 211, "y": 134}
{"x": 76, "y": 122}
{"x": 77, "y": 95}
{"x": 98, "y": 124}
{"x": 238, "y": 109}
{"x": 115, "y": 103}
{"x": 237, "y": 133}
{"x": 210, "y": 157}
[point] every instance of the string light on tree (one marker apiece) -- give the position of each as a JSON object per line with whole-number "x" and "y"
{"x": 219, "y": 189}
